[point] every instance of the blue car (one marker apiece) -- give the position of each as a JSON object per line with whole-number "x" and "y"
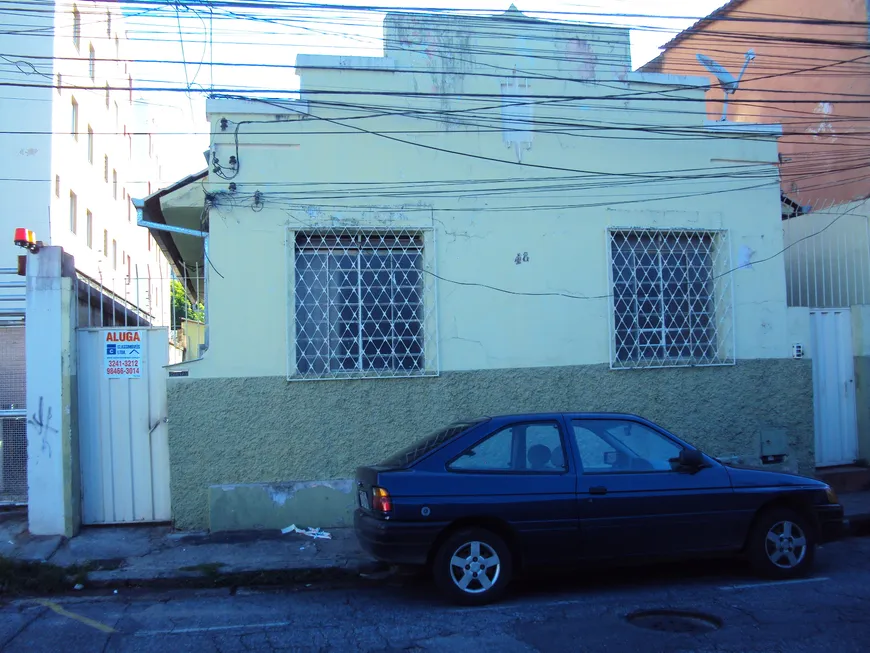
{"x": 480, "y": 500}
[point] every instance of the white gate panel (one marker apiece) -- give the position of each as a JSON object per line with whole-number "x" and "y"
{"x": 123, "y": 434}
{"x": 834, "y": 407}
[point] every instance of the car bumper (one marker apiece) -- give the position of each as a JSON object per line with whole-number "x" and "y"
{"x": 398, "y": 543}
{"x": 832, "y": 525}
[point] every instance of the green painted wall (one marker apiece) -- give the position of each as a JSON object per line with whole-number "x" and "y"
{"x": 266, "y": 430}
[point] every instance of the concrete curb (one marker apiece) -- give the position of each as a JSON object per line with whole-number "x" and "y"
{"x": 322, "y": 575}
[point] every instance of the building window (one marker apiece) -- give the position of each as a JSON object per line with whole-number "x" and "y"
{"x": 361, "y": 305}
{"x": 92, "y": 62}
{"x": 90, "y": 144}
{"x": 114, "y": 184}
{"x": 671, "y": 298}
{"x": 77, "y": 27}
{"x": 105, "y": 243}
{"x": 108, "y": 24}
{"x": 129, "y": 209}
{"x": 74, "y": 127}
{"x": 130, "y": 86}
{"x": 57, "y": 185}
{"x": 129, "y": 267}
{"x": 106, "y": 168}
{"x": 73, "y": 212}
{"x": 149, "y": 146}
{"x": 89, "y": 235}
{"x": 114, "y": 254}
{"x": 59, "y": 83}
{"x": 108, "y": 95}
{"x": 117, "y": 48}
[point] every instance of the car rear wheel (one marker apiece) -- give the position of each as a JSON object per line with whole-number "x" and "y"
{"x": 782, "y": 544}
{"x": 473, "y": 567}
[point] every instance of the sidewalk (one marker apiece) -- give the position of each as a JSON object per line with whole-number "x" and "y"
{"x": 154, "y": 556}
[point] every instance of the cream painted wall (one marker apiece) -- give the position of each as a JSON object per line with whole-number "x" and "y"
{"x": 607, "y": 178}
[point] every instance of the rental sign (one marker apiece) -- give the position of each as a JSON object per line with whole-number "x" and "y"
{"x": 123, "y": 358}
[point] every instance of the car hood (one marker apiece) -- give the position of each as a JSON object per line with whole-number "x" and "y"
{"x": 747, "y": 476}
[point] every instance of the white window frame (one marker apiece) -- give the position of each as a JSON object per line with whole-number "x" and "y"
{"x": 428, "y": 320}
{"x": 722, "y": 346}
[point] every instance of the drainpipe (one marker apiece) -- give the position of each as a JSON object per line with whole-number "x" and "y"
{"x": 139, "y": 205}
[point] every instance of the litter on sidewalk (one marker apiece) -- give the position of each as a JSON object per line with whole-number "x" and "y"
{"x": 315, "y": 533}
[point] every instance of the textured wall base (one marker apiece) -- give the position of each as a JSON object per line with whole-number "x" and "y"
{"x": 266, "y": 430}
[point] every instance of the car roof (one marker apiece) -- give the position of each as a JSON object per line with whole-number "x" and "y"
{"x": 570, "y": 415}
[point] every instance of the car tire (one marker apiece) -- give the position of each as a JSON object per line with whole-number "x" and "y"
{"x": 473, "y": 566}
{"x": 782, "y": 544}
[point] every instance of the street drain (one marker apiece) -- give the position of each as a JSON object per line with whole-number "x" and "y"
{"x": 674, "y": 621}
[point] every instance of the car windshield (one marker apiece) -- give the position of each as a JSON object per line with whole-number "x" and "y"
{"x": 422, "y": 447}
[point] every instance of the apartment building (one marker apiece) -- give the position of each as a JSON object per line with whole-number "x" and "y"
{"x": 79, "y": 144}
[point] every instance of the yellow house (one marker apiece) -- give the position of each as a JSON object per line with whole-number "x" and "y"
{"x": 496, "y": 216}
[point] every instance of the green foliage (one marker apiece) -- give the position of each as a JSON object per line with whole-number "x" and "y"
{"x": 182, "y": 307}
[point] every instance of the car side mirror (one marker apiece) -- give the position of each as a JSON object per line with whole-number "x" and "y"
{"x": 691, "y": 459}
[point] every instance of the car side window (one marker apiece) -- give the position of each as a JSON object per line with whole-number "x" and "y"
{"x": 533, "y": 448}
{"x": 621, "y": 446}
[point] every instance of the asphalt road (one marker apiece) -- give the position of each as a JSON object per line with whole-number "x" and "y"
{"x": 829, "y": 612}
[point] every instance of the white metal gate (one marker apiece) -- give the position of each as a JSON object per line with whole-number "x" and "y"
{"x": 123, "y": 434}
{"x": 836, "y": 421}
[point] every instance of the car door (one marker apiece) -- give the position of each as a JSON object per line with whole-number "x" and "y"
{"x": 520, "y": 474}
{"x": 634, "y": 500}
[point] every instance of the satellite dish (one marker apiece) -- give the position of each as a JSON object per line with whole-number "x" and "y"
{"x": 728, "y": 81}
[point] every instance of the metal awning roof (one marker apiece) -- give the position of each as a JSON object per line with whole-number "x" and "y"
{"x": 181, "y": 205}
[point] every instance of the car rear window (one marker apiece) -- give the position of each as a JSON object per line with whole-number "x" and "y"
{"x": 430, "y": 442}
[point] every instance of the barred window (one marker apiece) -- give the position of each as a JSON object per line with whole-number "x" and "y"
{"x": 669, "y": 306}
{"x": 360, "y": 308}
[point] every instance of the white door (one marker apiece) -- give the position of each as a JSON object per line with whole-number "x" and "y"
{"x": 836, "y": 421}
{"x": 123, "y": 432}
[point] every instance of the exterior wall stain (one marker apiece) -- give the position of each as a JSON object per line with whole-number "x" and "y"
{"x": 265, "y": 430}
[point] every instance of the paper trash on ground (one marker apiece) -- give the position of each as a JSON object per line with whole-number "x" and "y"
{"x": 315, "y": 533}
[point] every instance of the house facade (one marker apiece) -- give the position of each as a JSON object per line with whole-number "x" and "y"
{"x": 809, "y": 75}
{"x": 472, "y": 225}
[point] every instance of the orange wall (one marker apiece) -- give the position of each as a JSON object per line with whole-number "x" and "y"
{"x": 825, "y": 149}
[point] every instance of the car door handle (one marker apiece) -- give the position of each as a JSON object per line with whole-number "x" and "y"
{"x": 598, "y": 489}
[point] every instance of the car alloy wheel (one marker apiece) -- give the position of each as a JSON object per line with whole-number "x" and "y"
{"x": 782, "y": 544}
{"x": 475, "y": 567}
{"x": 786, "y": 544}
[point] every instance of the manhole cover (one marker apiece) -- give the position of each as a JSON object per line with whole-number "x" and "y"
{"x": 674, "y": 621}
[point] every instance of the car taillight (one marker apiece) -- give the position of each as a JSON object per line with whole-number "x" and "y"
{"x": 381, "y": 501}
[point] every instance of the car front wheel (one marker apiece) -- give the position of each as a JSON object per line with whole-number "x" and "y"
{"x": 782, "y": 544}
{"x": 473, "y": 567}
